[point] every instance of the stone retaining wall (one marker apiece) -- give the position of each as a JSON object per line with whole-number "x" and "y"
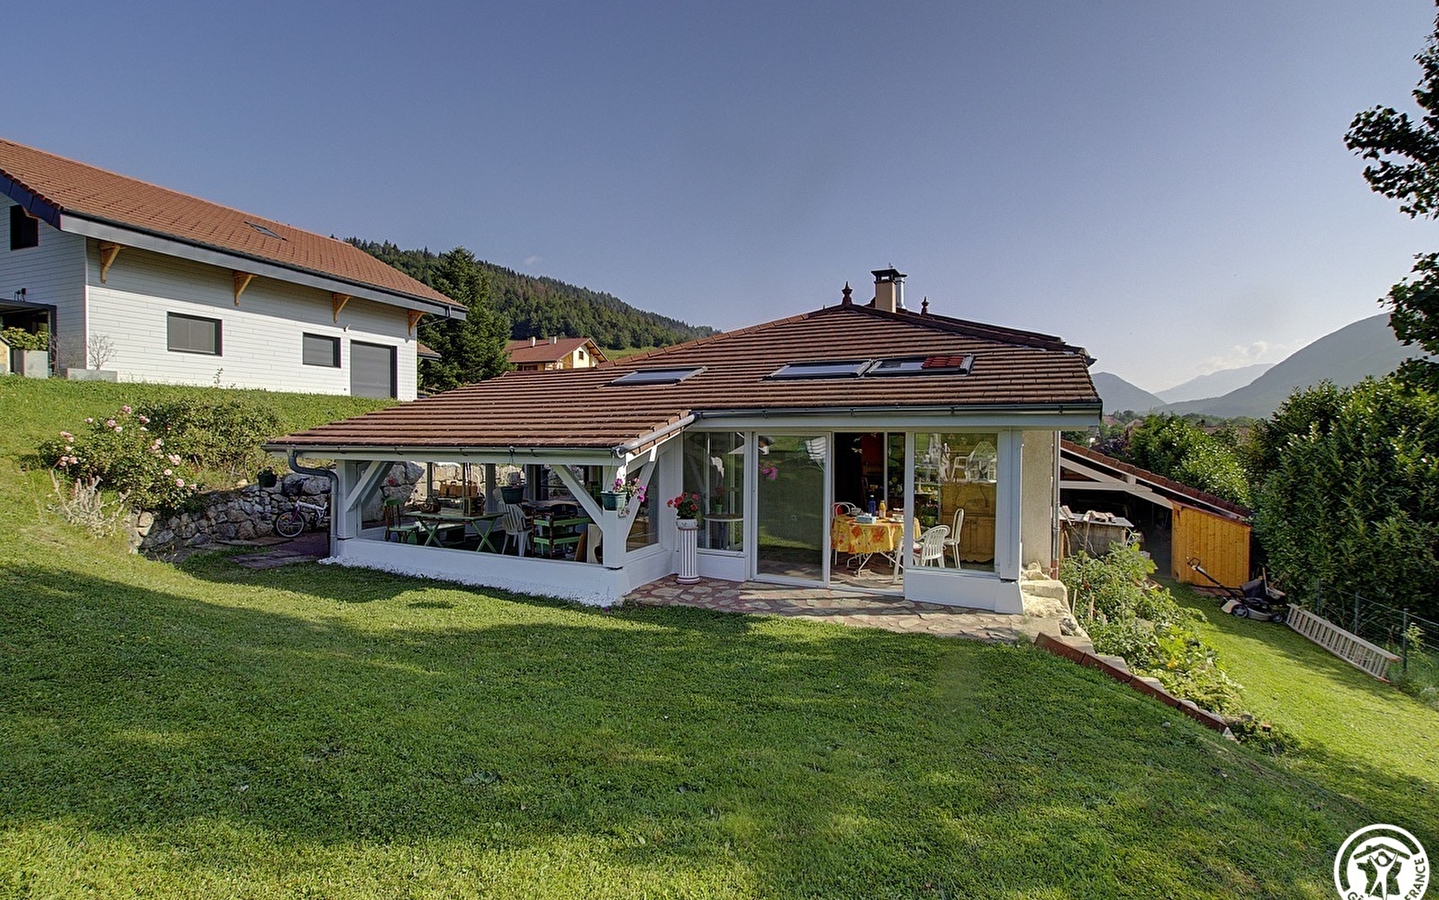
{"x": 249, "y": 512}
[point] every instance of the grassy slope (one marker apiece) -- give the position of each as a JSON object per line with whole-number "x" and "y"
{"x": 1364, "y": 737}
{"x": 314, "y": 731}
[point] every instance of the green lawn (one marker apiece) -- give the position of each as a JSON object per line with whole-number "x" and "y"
{"x": 313, "y": 731}
{"x": 1360, "y": 735}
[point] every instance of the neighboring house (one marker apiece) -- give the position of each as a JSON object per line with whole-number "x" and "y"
{"x": 183, "y": 290}
{"x": 1179, "y": 523}
{"x": 534, "y": 355}
{"x": 772, "y": 426}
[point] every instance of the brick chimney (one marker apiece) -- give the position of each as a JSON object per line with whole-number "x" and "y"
{"x": 888, "y": 289}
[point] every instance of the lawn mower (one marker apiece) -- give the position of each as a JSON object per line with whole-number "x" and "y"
{"x": 1252, "y": 598}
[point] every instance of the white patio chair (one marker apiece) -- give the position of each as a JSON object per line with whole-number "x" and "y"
{"x": 951, "y": 543}
{"x": 930, "y": 549}
{"x": 515, "y": 527}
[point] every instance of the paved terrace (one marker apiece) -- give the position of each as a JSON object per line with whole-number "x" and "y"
{"x": 855, "y": 608}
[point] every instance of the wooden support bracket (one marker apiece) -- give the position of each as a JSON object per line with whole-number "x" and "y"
{"x": 414, "y": 317}
{"x": 242, "y": 281}
{"x": 338, "y": 301}
{"x": 108, "y": 252}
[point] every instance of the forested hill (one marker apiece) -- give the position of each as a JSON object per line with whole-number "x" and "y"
{"x": 543, "y": 307}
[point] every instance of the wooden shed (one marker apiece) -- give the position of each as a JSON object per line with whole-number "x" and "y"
{"x": 1201, "y": 526}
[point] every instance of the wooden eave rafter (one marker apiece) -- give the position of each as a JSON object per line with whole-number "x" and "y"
{"x": 242, "y": 281}
{"x": 414, "y": 317}
{"x": 338, "y": 301}
{"x": 108, "y": 252}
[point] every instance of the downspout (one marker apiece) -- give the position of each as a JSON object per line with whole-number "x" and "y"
{"x": 294, "y": 461}
{"x": 1054, "y": 524}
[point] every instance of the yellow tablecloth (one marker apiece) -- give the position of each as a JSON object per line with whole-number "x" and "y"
{"x": 849, "y": 536}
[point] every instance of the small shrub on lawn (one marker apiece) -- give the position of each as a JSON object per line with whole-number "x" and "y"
{"x": 1262, "y": 734}
{"x": 122, "y": 453}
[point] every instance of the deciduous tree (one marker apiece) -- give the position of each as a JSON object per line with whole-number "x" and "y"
{"x": 1405, "y": 152}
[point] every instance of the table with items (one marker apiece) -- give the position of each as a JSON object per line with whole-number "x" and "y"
{"x": 863, "y": 540}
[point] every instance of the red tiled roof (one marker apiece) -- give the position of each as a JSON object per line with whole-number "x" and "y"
{"x": 82, "y": 190}
{"x": 1162, "y": 484}
{"x": 580, "y": 408}
{"x": 546, "y": 352}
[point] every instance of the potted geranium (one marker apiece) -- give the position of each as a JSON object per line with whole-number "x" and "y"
{"x": 619, "y": 495}
{"x": 686, "y": 506}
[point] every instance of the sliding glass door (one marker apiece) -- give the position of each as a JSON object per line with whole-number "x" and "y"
{"x": 791, "y": 480}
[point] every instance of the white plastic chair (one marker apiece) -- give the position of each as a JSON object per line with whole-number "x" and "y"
{"x": 930, "y": 549}
{"x": 951, "y": 543}
{"x": 515, "y": 527}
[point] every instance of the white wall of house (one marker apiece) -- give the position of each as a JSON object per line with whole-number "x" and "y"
{"x": 1037, "y": 498}
{"x": 260, "y": 338}
{"x": 51, "y": 273}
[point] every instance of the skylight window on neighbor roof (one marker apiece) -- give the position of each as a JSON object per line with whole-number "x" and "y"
{"x": 658, "y": 376}
{"x": 263, "y": 230}
{"x": 923, "y": 365}
{"x": 832, "y": 368}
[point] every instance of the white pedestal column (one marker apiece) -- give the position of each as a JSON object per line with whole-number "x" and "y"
{"x": 689, "y": 551}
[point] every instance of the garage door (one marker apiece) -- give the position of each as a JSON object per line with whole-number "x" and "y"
{"x": 372, "y": 370}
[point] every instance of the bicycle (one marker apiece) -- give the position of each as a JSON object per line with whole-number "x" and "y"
{"x": 292, "y": 521}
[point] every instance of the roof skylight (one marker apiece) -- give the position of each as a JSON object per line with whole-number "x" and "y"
{"x": 831, "y": 368}
{"x": 263, "y": 230}
{"x": 658, "y": 376}
{"x": 923, "y": 365}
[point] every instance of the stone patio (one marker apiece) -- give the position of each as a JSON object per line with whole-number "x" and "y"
{"x": 855, "y": 608}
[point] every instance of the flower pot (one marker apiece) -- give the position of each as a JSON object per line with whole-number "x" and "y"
{"x": 612, "y": 499}
{"x": 30, "y": 363}
{"x": 512, "y": 493}
{"x": 266, "y": 479}
{"x": 689, "y": 551}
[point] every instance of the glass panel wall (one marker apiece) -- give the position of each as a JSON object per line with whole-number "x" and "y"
{"x": 714, "y": 469}
{"x": 955, "y": 488}
{"x": 644, "y": 528}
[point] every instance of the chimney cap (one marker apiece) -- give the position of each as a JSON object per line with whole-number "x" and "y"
{"x": 890, "y": 274}
{"x": 533, "y": 340}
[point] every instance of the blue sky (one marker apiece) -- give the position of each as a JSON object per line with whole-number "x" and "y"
{"x": 1164, "y": 184}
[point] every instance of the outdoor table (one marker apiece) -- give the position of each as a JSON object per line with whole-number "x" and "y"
{"x": 866, "y": 539}
{"x": 438, "y": 527}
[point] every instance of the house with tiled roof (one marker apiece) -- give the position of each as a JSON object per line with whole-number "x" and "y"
{"x": 536, "y": 355}
{"x": 785, "y": 435}
{"x": 178, "y": 289}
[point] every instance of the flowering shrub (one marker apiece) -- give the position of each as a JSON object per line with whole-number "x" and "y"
{"x": 121, "y": 453}
{"x": 769, "y": 470}
{"x": 686, "y": 506}
{"x": 219, "y": 434}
